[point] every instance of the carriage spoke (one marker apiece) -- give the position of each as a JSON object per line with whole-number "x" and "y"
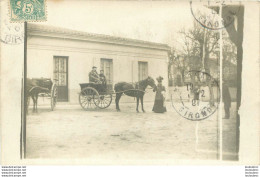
{"x": 102, "y": 104}
{"x": 105, "y": 101}
{"x": 84, "y": 104}
{"x": 84, "y": 101}
{"x": 89, "y": 104}
{"x": 105, "y": 104}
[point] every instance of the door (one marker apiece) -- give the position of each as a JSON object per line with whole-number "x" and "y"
{"x": 142, "y": 70}
{"x": 61, "y": 76}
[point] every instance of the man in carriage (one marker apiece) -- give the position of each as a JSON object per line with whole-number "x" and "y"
{"x": 99, "y": 79}
{"x": 93, "y": 76}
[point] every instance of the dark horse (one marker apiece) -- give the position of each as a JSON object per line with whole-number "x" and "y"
{"x": 34, "y": 88}
{"x": 134, "y": 90}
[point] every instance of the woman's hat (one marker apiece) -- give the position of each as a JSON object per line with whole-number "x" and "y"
{"x": 159, "y": 79}
{"x": 94, "y": 67}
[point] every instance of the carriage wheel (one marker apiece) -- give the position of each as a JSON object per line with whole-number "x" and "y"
{"x": 104, "y": 101}
{"x": 54, "y": 95}
{"x": 88, "y": 97}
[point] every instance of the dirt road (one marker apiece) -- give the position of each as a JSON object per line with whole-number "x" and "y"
{"x": 70, "y": 132}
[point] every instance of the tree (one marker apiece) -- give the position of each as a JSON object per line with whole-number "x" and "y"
{"x": 200, "y": 44}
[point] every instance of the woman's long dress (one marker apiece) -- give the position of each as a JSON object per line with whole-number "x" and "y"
{"x": 158, "y": 106}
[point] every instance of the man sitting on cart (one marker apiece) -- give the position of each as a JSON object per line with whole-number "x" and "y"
{"x": 93, "y": 76}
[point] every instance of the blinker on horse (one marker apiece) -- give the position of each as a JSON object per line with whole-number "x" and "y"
{"x": 137, "y": 90}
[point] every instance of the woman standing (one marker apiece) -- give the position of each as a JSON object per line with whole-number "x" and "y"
{"x": 159, "y": 106}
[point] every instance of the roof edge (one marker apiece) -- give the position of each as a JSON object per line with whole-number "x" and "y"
{"x": 57, "y": 32}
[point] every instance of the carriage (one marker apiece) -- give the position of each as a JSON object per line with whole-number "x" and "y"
{"x": 43, "y": 87}
{"x": 94, "y": 95}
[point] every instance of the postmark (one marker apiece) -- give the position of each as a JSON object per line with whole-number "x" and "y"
{"x": 27, "y": 10}
{"x": 198, "y": 97}
{"x": 207, "y": 13}
{"x": 12, "y": 33}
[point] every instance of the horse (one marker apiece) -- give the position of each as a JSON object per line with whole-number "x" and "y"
{"x": 34, "y": 87}
{"x": 137, "y": 90}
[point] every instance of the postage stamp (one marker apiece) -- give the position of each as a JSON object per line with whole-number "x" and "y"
{"x": 27, "y": 10}
{"x": 198, "y": 98}
{"x": 207, "y": 14}
{"x": 12, "y": 33}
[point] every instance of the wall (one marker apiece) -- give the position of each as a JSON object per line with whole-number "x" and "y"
{"x": 83, "y": 55}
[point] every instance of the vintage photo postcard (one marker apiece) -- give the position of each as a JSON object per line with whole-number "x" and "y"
{"x": 130, "y": 82}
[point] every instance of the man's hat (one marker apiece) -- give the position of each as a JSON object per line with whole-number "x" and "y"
{"x": 94, "y": 67}
{"x": 159, "y": 79}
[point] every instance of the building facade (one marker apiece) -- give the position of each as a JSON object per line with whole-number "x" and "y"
{"x": 68, "y": 56}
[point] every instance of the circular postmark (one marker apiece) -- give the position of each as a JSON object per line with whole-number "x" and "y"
{"x": 198, "y": 97}
{"x": 12, "y": 33}
{"x": 207, "y": 13}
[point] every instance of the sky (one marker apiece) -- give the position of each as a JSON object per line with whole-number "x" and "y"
{"x": 150, "y": 21}
{"x": 154, "y": 21}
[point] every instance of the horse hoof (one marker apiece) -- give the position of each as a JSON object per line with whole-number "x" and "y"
{"x": 118, "y": 110}
{"x": 137, "y": 111}
{"x": 143, "y": 110}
